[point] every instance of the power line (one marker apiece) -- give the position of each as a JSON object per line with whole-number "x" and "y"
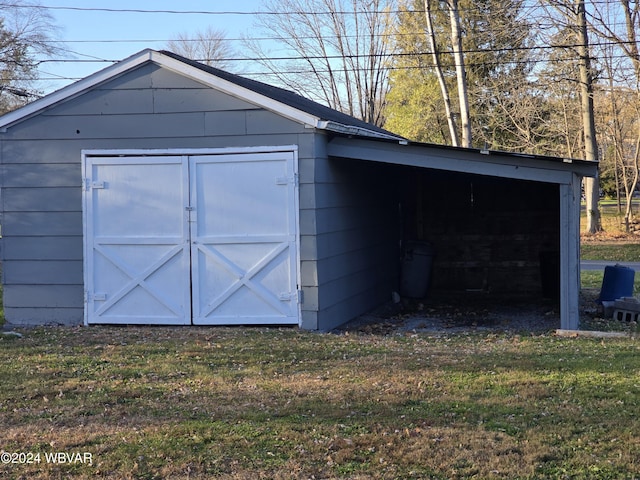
{"x": 539, "y": 26}
{"x": 241, "y": 12}
{"x": 275, "y": 59}
{"x": 359, "y": 56}
{"x": 260, "y": 75}
{"x": 220, "y": 13}
{"x": 191, "y": 12}
{"x": 130, "y": 10}
{"x": 348, "y": 69}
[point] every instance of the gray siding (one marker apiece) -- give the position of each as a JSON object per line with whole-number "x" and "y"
{"x": 40, "y": 166}
{"x": 42, "y": 248}
{"x": 356, "y": 239}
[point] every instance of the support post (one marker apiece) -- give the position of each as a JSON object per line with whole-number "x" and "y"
{"x": 570, "y": 254}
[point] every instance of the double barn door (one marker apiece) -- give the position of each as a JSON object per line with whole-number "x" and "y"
{"x": 207, "y": 239}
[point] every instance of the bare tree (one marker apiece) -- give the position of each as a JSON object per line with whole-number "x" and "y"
{"x": 558, "y": 84}
{"x": 621, "y": 129}
{"x": 618, "y": 23}
{"x": 606, "y": 24}
{"x": 334, "y": 51}
{"x": 208, "y": 46}
{"x": 27, "y": 35}
{"x": 574, "y": 21}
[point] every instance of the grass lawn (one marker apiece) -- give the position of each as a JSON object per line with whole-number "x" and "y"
{"x": 252, "y": 403}
{"x": 613, "y": 252}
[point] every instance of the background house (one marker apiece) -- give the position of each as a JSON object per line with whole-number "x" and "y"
{"x": 163, "y": 191}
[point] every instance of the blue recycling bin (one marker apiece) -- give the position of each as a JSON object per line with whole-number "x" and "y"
{"x": 616, "y": 283}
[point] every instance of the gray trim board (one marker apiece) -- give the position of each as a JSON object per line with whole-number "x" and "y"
{"x": 521, "y": 167}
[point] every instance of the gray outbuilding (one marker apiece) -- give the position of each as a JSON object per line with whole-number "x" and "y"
{"x": 163, "y": 191}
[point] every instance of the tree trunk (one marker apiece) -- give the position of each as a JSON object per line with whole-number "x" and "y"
{"x": 628, "y": 214}
{"x": 435, "y": 54}
{"x": 591, "y": 185}
{"x": 461, "y": 72}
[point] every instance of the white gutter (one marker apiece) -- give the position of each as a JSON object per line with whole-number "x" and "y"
{"x": 353, "y": 130}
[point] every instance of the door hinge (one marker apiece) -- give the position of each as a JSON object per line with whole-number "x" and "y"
{"x": 96, "y": 297}
{"x": 90, "y": 185}
{"x": 300, "y": 296}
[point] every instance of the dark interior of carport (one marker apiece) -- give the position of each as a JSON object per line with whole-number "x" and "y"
{"x": 482, "y": 236}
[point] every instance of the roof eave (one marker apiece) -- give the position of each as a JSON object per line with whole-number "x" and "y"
{"x": 71, "y": 91}
{"x": 463, "y": 160}
{"x": 148, "y": 55}
{"x": 235, "y": 90}
{"x": 292, "y": 113}
{"x": 74, "y": 89}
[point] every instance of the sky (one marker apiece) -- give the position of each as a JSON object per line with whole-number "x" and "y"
{"x": 105, "y": 35}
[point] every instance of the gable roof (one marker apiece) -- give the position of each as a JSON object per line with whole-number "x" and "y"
{"x": 278, "y": 100}
{"x": 297, "y": 108}
{"x": 286, "y": 97}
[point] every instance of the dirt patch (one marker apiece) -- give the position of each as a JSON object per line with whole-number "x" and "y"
{"x": 461, "y": 313}
{"x": 483, "y": 313}
{"x": 610, "y": 237}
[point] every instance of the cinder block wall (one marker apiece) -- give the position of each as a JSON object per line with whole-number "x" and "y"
{"x": 490, "y": 234}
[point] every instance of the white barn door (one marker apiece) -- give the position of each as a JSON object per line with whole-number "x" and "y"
{"x": 244, "y": 253}
{"x": 136, "y": 241}
{"x": 191, "y": 239}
